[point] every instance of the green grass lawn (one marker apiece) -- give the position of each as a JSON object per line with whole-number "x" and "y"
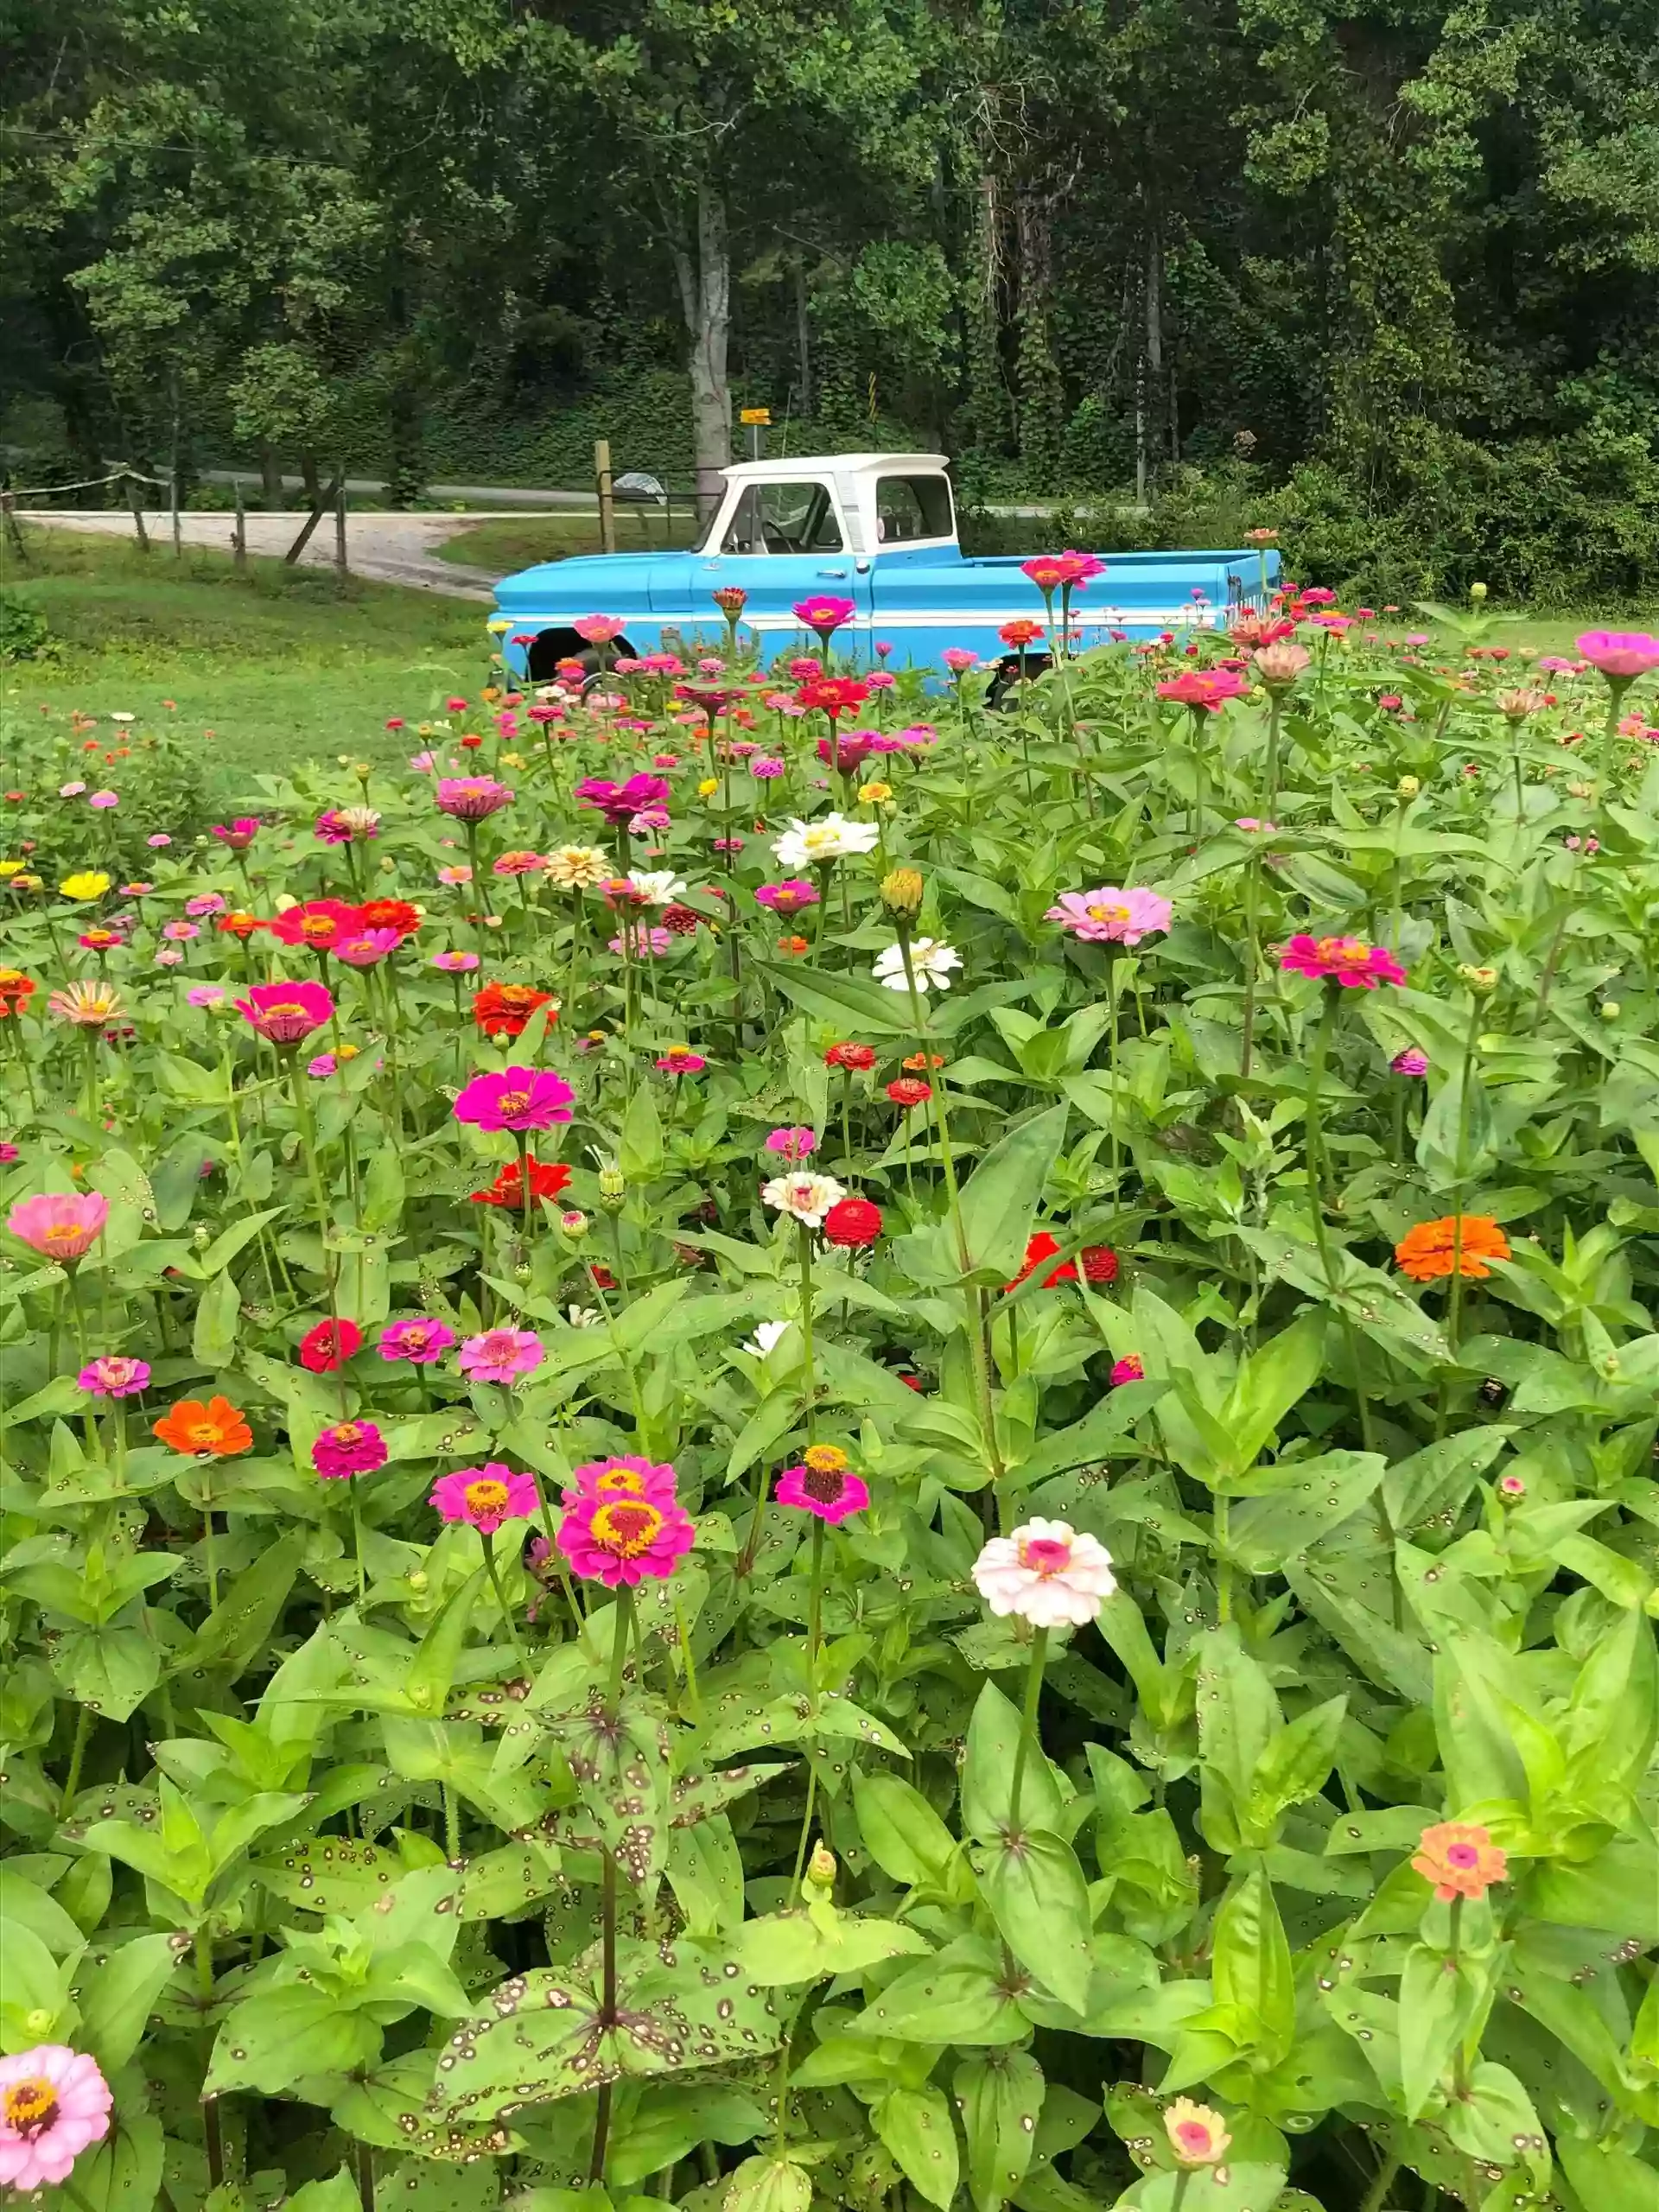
{"x": 519, "y": 540}
{"x": 276, "y": 661}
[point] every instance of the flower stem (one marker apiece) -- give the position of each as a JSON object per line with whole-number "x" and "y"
{"x": 809, "y": 1380}
{"x": 1027, "y": 1722}
{"x": 486, "y": 1538}
{"x": 1314, "y": 1140}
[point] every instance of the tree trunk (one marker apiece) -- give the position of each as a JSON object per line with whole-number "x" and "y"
{"x": 704, "y": 274}
{"x": 270, "y": 476}
{"x": 313, "y": 482}
{"x": 1154, "y": 338}
{"x": 803, "y": 338}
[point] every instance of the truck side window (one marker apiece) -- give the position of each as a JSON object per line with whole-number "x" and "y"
{"x": 784, "y": 518}
{"x": 908, "y": 507}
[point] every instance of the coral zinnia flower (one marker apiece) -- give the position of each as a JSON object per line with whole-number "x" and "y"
{"x": 852, "y": 1058}
{"x": 484, "y": 1496}
{"x": 213, "y": 1431}
{"x": 54, "y": 2101}
{"x": 390, "y": 914}
{"x": 1460, "y": 1860}
{"x": 1426, "y": 1253}
{"x": 15, "y": 990}
{"x": 505, "y": 1009}
{"x": 617, "y": 1539}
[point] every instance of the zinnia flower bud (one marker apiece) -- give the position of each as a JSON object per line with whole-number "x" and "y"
{"x": 902, "y": 893}
{"x": 1480, "y": 980}
{"x": 1408, "y": 786}
{"x": 613, "y": 1187}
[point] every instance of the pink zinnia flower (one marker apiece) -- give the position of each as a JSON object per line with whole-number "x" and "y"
{"x": 455, "y": 963}
{"x": 1110, "y": 916}
{"x": 104, "y": 800}
{"x": 366, "y": 948}
{"x": 180, "y": 932}
{"x": 471, "y": 799}
{"x": 61, "y": 1226}
{"x": 620, "y": 803}
{"x": 517, "y": 1099}
{"x": 1128, "y": 1369}
{"x": 959, "y": 659}
{"x": 644, "y": 944}
{"x": 622, "y": 1539}
{"x": 1205, "y": 687}
{"x": 1410, "y": 1062}
{"x": 238, "y": 835}
{"x": 1621, "y": 655}
{"x": 1047, "y": 1573}
{"x": 113, "y": 1375}
{"x": 1350, "y": 960}
{"x": 209, "y": 903}
{"x": 285, "y": 1013}
{"x": 678, "y": 1061}
{"x": 794, "y": 1143}
{"x": 622, "y": 1476}
{"x": 599, "y": 629}
{"x": 350, "y": 1447}
{"x": 420, "y": 1341}
{"x": 53, "y": 2102}
{"x": 501, "y": 1354}
{"x": 484, "y": 1496}
{"x": 205, "y": 994}
{"x": 830, "y": 1492}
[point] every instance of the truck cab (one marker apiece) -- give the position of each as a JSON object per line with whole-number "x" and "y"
{"x": 878, "y": 529}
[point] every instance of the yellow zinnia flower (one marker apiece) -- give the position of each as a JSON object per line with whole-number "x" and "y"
{"x": 89, "y": 883}
{"x": 11, "y": 867}
{"x": 708, "y": 787}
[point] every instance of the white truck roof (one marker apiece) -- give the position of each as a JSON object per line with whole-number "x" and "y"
{"x": 839, "y": 464}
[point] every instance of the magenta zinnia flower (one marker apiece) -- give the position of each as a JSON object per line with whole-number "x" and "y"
{"x": 623, "y": 1477}
{"x": 238, "y": 835}
{"x": 471, "y": 799}
{"x": 285, "y": 1013}
{"x": 61, "y": 1225}
{"x": 787, "y": 897}
{"x": 501, "y": 1354}
{"x": 1621, "y": 655}
{"x": 614, "y": 1540}
{"x": 113, "y": 1375}
{"x": 1410, "y": 1062}
{"x": 517, "y": 1099}
{"x": 53, "y": 2102}
{"x": 1349, "y": 961}
{"x": 484, "y": 1496}
{"x": 831, "y": 1493}
{"x": 620, "y": 802}
{"x": 1109, "y": 916}
{"x": 825, "y": 615}
{"x": 420, "y": 1341}
{"x": 792, "y": 1143}
{"x": 350, "y": 1447}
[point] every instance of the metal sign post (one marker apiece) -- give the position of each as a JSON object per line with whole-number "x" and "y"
{"x": 757, "y": 421}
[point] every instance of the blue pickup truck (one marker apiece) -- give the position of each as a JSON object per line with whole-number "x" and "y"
{"x": 878, "y": 529}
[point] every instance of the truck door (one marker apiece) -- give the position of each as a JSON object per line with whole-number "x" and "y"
{"x": 783, "y": 542}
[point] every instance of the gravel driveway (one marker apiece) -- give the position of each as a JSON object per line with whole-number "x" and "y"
{"x": 391, "y": 548}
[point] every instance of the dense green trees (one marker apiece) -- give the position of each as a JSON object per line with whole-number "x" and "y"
{"x": 1395, "y": 264}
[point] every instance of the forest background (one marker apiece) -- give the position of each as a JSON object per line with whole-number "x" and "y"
{"x": 1384, "y": 276}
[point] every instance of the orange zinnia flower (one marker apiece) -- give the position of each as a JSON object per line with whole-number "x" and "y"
{"x": 1460, "y": 1860}
{"x": 1426, "y": 1253}
{"x": 209, "y": 1431}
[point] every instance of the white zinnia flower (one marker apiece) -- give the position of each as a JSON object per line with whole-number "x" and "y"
{"x": 930, "y": 962}
{"x": 767, "y": 1335}
{"x": 1046, "y": 1572}
{"x": 806, "y": 1197}
{"x": 657, "y": 886}
{"x": 584, "y": 1317}
{"x": 814, "y": 844}
{"x": 577, "y": 867}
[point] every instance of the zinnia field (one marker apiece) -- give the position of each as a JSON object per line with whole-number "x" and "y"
{"x": 784, "y": 1441}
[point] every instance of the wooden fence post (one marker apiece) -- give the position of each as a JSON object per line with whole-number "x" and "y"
{"x": 607, "y": 498}
{"x": 136, "y": 502}
{"x": 339, "y": 529}
{"x": 239, "y": 538}
{"x": 311, "y": 522}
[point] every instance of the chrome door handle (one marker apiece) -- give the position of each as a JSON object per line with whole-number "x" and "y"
{"x": 832, "y": 572}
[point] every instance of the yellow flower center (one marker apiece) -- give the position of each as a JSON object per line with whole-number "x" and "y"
{"x": 512, "y": 1101}
{"x": 61, "y": 1236}
{"x": 620, "y": 1481}
{"x": 825, "y": 1459}
{"x": 1116, "y": 913}
{"x": 627, "y": 1528}
{"x": 30, "y": 2106}
{"x": 486, "y": 1496}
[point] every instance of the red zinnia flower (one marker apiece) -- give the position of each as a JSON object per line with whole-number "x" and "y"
{"x": 391, "y": 914}
{"x": 1043, "y": 1247}
{"x": 505, "y": 1009}
{"x": 851, "y": 1223}
{"x": 856, "y": 1058}
{"x": 329, "y": 1345}
{"x": 508, "y": 1190}
{"x": 1099, "y": 1263}
{"x": 909, "y": 1091}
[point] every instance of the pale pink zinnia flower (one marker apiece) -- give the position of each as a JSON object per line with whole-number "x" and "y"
{"x": 1111, "y": 915}
{"x": 501, "y": 1354}
{"x": 53, "y": 2102}
{"x": 1046, "y": 1572}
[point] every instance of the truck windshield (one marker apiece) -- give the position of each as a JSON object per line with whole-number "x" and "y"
{"x": 780, "y": 519}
